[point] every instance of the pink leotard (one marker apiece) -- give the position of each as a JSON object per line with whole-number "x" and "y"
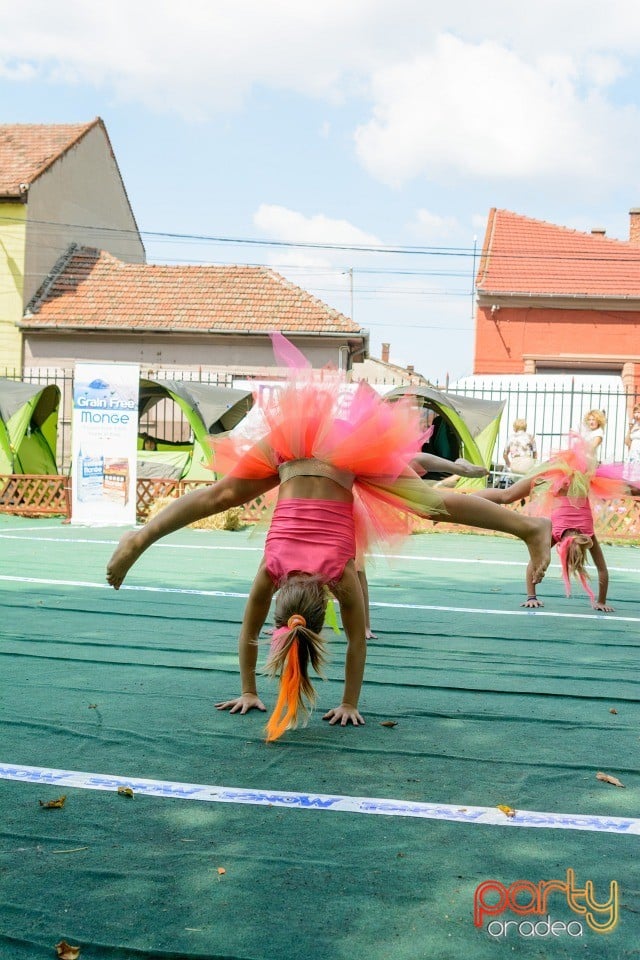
{"x": 310, "y": 536}
{"x": 569, "y": 514}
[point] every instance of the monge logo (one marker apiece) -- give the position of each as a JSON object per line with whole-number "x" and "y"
{"x": 524, "y": 898}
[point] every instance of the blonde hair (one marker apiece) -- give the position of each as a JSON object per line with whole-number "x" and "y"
{"x": 572, "y": 549}
{"x": 598, "y": 415}
{"x": 519, "y": 425}
{"x": 300, "y": 608}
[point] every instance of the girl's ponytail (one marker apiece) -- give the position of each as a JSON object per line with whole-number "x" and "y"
{"x": 572, "y": 549}
{"x": 293, "y": 647}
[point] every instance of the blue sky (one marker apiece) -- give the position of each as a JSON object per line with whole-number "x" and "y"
{"x": 318, "y": 129}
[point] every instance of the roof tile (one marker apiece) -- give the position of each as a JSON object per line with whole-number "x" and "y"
{"x": 27, "y": 149}
{"x": 94, "y": 289}
{"x": 525, "y": 256}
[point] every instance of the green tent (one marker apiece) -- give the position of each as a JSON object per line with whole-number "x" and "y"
{"x": 468, "y": 427}
{"x": 208, "y": 410}
{"x": 28, "y": 427}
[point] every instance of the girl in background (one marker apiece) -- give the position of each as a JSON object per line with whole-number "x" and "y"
{"x": 632, "y": 438}
{"x": 592, "y": 431}
{"x": 564, "y": 488}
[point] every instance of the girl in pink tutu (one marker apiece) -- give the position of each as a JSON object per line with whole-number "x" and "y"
{"x": 565, "y": 488}
{"x": 345, "y": 466}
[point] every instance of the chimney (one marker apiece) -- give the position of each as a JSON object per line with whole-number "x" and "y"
{"x": 634, "y": 225}
{"x": 598, "y": 231}
{"x": 385, "y": 352}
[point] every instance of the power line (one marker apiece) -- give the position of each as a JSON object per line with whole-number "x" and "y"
{"x": 396, "y": 249}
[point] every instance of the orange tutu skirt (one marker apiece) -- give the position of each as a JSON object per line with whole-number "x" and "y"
{"x": 317, "y": 414}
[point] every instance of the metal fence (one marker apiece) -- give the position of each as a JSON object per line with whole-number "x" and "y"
{"x": 550, "y": 412}
{"x": 165, "y": 420}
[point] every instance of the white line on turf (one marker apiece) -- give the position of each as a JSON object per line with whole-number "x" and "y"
{"x": 418, "y": 558}
{"x": 321, "y": 801}
{"x": 605, "y": 618}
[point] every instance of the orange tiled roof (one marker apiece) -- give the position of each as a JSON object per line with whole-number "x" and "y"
{"x": 27, "y": 149}
{"x": 531, "y": 257}
{"x": 95, "y": 290}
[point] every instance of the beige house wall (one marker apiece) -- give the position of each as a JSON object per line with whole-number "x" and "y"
{"x": 12, "y": 258}
{"x": 231, "y": 353}
{"x": 79, "y": 199}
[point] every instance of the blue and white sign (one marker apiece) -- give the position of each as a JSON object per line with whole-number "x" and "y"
{"x": 105, "y": 437}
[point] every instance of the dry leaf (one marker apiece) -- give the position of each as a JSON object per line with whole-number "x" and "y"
{"x": 508, "y": 811}
{"x": 125, "y": 792}
{"x": 65, "y": 951}
{"x": 53, "y": 804}
{"x": 613, "y": 710}
{"x": 221, "y": 870}
{"x": 608, "y": 779}
{"x": 389, "y": 723}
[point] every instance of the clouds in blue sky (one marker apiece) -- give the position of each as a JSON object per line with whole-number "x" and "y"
{"x": 362, "y": 123}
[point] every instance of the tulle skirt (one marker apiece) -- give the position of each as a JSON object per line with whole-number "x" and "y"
{"x": 575, "y": 474}
{"x": 317, "y": 414}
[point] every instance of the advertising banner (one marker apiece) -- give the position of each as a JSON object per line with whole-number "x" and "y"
{"x": 104, "y": 440}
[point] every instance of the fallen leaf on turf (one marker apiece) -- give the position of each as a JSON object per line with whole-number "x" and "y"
{"x": 389, "y": 723}
{"x": 53, "y": 804}
{"x": 608, "y": 779}
{"x": 65, "y": 951}
{"x": 125, "y": 792}
{"x": 508, "y": 811}
{"x": 613, "y": 710}
{"x": 221, "y": 870}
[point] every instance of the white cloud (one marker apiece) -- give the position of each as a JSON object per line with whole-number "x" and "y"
{"x": 281, "y": 223}
{"x": 432, "y": 228}
{"x": 199, "y": 57}
{"x": 481, "y": 111}
{"x": 443, "y": 101}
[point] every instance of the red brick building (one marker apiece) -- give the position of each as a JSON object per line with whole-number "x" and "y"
{"x": 555, "y": 300}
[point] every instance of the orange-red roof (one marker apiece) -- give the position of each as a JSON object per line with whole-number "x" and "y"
{"x": 531, "y": 257}
{"x": 27, "y": 149}
{"x": 94, "y": 290}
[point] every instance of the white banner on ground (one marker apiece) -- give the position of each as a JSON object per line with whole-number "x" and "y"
{"x": 104, "y": 443}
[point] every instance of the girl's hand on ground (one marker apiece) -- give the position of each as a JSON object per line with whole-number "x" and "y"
{"x": 532, "y": 603}
{"x": 242, "y": 704}
{"x": 603, "y": 607}
{"x": 343, "y": 715}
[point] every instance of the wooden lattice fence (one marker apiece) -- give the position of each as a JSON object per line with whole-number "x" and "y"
{"x": 29, "y": 495}
{"x": 38, "y": 496}
{"x": 35, "y": 495}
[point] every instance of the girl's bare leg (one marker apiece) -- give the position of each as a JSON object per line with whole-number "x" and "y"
{"x": 430, "y": 463}
{"x": 474, "y": 511}
{"x": 203, "y": 502}
{"x": 519, "y": 490}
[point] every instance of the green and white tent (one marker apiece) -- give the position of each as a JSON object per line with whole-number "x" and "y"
{"x": 469, "y": 426}
{"x": 208, "y": 409}
{"x": 28, "y": 427}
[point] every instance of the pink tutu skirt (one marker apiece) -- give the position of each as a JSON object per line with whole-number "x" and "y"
{"x": 317, "y": 414}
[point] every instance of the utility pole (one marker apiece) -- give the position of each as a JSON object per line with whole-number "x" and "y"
{"x": 473, "y": 276}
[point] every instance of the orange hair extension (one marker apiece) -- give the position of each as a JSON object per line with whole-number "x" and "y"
{"x": 285, "y": 712}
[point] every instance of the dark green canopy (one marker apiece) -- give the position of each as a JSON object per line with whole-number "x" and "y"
{"x": 473, "y": 423}
{"x": 209, "y": 409}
